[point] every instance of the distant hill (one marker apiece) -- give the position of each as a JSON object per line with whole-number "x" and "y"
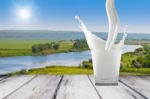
{"x": 60, "y": 35}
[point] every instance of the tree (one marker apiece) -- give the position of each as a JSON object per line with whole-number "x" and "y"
{"x": 43, "y": 47}
{"x": 35, "y": 49}
{"x": 56, "y": 46}
{"x": 79, "y": 44}
{"x": 86, "y": 64}
{"x": 147, "y": 61}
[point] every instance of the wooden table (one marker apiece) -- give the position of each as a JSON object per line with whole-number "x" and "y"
{"x": 72, "y": 87}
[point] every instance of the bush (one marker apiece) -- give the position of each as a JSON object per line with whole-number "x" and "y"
{"x": 146, "y": 61}
{"x": 43, "y": 47}
{"x": 56, "y": 46}
{"x": 139, "y": 58}
{"x": 136, "y": 64}
{"x": 86, "y": 64}
{"x": 80, "y": 44}
{"x": 147, "y": 48}
{"x": 23, "y": 71}
{"x": 139, "y": 51}
{"x": 35, "y": 49}
{"x": 146, "y": 64}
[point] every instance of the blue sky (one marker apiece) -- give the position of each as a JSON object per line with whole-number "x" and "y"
{"x": 59, "y": 14}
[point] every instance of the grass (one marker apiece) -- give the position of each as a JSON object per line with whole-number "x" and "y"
{"x": 21, "y": 47}
{"x": 27, "y": 43}
{"x": 19, "y": 43}
{"x": 65, "y": 46}
{"x": 15, "y": 52}
{"x": 62, "y": 70}
{"x": 135, "y": 71}
{"x": 17, "y": 47}
{"x": 127, "y": 59}
{"x": 55, "y": 70}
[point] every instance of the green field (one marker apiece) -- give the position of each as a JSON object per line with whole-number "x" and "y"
{"x": 15, "y": 52}
{"x": 19, "y": 43}
{"x": 22, "y": 47}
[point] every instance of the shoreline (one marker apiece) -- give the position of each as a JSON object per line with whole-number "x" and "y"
{"x": 63, "y": 70}
{"x": 28, "y": 52}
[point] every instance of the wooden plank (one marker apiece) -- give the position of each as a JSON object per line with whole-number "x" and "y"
{"x": 76, "y": 87}
{"x": 9, "y": 85}
{"x": 72, "y": 87}
{"x": 3, "y": 77}
{"x": 42, "y": 87}
{"x": 116, "y": 92}
{"x": 139, "y": 84}
{"x": 146, "y": 77}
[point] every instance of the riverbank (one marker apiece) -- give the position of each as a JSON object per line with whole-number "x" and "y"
{"x": 15, "y": 51}
{"x": 65, "y": 46}
{"x": 54, "y": 70}
{"x": 62, "y": 70}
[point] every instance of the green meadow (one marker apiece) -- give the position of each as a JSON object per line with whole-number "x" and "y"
{"x": 18, "y": 47}
{"x": 19, "y": 43}
{"x": 15, "y": 52}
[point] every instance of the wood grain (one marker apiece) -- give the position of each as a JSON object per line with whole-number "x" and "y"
{"x": 139, "y": 84}
{"x": 76, "y": 87}
{"x": 42, "y": 87}
{"x": 72, "y": 87}
{"x": 3, "y": 77}
{"x": 116, "y": 92}
{"x": 9, "y": 85}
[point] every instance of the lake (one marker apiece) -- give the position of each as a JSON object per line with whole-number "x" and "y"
{"x": 11, "y": 64}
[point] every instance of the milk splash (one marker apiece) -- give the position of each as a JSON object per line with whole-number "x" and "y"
{"x": 113, "y": 23}
{"x": 106, "y": 55}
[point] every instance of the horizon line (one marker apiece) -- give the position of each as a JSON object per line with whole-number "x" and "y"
{"x": 66, "y": 31}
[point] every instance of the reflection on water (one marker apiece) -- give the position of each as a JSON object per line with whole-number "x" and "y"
{"x": 9, "y": 64}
